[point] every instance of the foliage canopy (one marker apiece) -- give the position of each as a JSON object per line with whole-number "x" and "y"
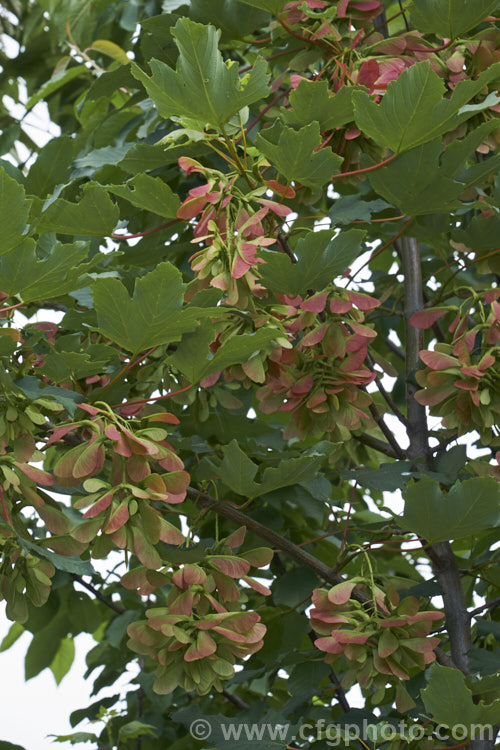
{"x": 248, "y": 290}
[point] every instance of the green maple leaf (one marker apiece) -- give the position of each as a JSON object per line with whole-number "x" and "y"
{"x": 416, "y": 183}
{"x": 95, "y": 214}
{"x": 449, "y": 18}
{"x": 203, "y": 87}
{"x": 450, "y": 701}
{"x": 14, "y": 210}
{"x": 321, "y": 257}
{"x": 23, "y": 275}
{"x": 414, "y": 111}
{"x": 152, "y": 316}
{"x": 428, "y": 179}
{"x": 148, "y": 193}
{"x": 469, "y": 507}
{"x": 311, "y": 100}
{"x": 292, "y": 153}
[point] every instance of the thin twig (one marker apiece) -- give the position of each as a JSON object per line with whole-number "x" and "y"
{"x": 283, "y": 242}
{"x": 204, "y": 500}
{"x": 262, "y": 113}
{"x": 104, "y": 599}
{"x": 377, "y": 416}
{"x": 143, "y": 234}
{"x": 152, "y": 398}
{"x": 364, "y": 169}
{"x": 376, "y": 444}
{"x": 235, "y": 700}
{"x": 491, "y": 605}
{"x": 386, "y": 396}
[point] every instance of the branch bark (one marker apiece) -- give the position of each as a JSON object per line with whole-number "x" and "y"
{"x": 204, "y": 500}
{"x": 414, "y": 301}
{"x": 441, "y": 554}
{"x": 376, "y": 444}
{"x": 104, "y": 599}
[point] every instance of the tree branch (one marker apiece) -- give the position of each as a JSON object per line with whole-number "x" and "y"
{"x": 493, "y": 604}
{"x": 377, "y": 416}
{"x": 376, "y": 444}
{"x": 235, "y": 700}
{"x": 283, "y": 242}
{"x": 415, "y": 412}
{"x": 441, "y": 554}
{"x": 395, "y": 348}
{"x": 386, "y": 396}
{"x": 204, "y": 500}
{"x": 104, "y": 599}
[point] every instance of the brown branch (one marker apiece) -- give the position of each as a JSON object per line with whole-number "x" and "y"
{"x": 441, "y": 554}
{"x": 457, "y": 618}
{"x": 395, "y": 349}
{"x": 492, "y": 605}
{"x": 204, "y": 500}
{"x": 443, "y": 658}
{"x": 381, "y": 249}
{"x": 386, "y": 396}
{"x": 377, "y": 416}
{"x": 376, "y": 444}
{"x": 283, "y": 243}
{"x": 140, "y": 701}
{"x": 235, "y": 700}
{"x": 104, "y": 599}
{"x": 413, "y": 302}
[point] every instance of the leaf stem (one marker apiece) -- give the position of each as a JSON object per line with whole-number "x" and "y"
{"x": 152, "y": 398}
{"x": 237, "y": 159}
{"x": 365, "y": 169}
{"x": 125, "y": 369}
{"x": 143, "y": 234}
{"x": 12, "y": 307}
{"x": 262, "y": 113}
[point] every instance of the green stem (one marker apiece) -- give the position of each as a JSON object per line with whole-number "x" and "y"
{"x": 237, "y": 159}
